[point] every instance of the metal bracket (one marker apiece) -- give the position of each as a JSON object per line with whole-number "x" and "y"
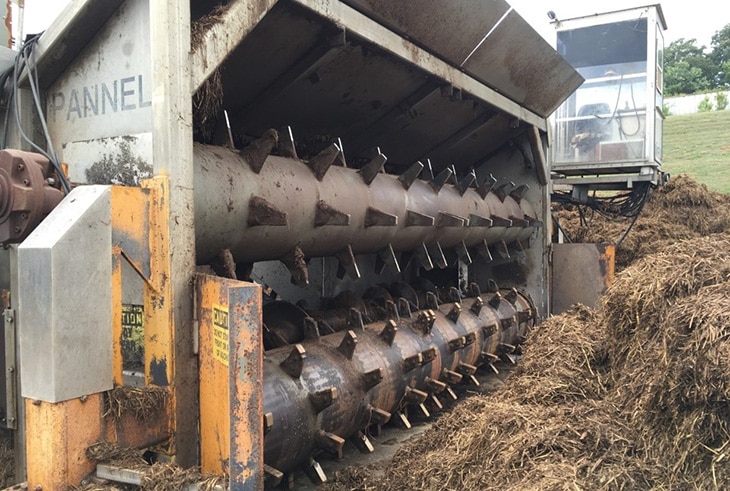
{"x": 11, "y": 378}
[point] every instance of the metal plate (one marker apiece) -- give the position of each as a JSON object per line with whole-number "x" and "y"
{"x": 433, "y": 24}
{"x": 581, "y": 274}
{"x": 528, "y": 70}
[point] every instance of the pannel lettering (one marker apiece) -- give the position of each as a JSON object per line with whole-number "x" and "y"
{"x": 124, "y": 94}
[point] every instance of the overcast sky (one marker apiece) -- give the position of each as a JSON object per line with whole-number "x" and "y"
{"x": 698, "y": 19}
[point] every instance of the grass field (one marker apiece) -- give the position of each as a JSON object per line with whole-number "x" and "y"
{"x": 699, "y": 145}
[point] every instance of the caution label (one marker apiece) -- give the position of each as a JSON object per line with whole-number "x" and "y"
{"x": 220, "y": 334}
{"x": 132, "y": 335}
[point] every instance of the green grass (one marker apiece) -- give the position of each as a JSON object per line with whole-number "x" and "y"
{"x": 699, "y": 145}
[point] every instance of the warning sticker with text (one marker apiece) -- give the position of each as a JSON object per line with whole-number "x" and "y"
{"x": 220, "y": 334}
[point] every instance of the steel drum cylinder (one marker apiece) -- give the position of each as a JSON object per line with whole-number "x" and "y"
{"x": 381, "y": 368}
{"x": 265, "y": 215}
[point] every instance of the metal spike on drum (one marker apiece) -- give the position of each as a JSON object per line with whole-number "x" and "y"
{"x": 386, "y": 257}
{"x": 311, "y": 329}
{"x": 437, "y": 255}
{"x": 348, "y": 262}
{"x": 287, "y": 148}
{"x": 294, "y": 363}
{"x": 255, "y": 153}
{"x": 328, "y": 215}
{"x": 519, "y": 192}
{"x": 466, "y": 182}
{"x": 370, "y": 171}
{"x": 422, "y": 255}
{"x": 377, "y": 218}
{"x": 409, "y": 177}
{"x": 442, "y": 178}
{"x": 462, "y": 252}
{"x": 321, "y": 163}
{"x": 261, "y": 212}
{"x": 348, "y": 344}
{"x": 389, "y": 331}
{"x": 362, "y": 442}
{"x": 486, "y": 186}
{"x": 415, "y": 219}
{"x": 295, "y": 262}
{"x": 323, "y": 399}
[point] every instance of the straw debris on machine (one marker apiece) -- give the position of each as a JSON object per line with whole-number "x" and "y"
{"x": 208, "y": 99}
{"x": 142, "y": 402}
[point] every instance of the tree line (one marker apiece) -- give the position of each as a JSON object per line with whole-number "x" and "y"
{"x": 689, "y": 68}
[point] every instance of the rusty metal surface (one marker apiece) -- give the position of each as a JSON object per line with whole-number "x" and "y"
{"x": 322, "y": 391}
{"x": 581, "y": 273}
{"x": 285, "y": 197}
{"x": 231, "y": 403}
{"x": 26, "y": 196}
{"x": 530, "y": 71}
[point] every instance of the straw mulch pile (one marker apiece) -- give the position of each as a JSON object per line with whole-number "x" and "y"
{"x": 681, "y": 209}
{"x": 633, "y": 395}
{"x": 668, "y": 319}
{"x": 563, "y": 361}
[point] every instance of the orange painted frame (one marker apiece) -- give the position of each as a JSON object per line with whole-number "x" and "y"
{"x": 57, "y": 435}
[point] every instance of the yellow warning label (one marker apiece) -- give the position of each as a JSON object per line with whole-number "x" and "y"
{"x": 132, "y": 335}
{"x": 220, "y": 334}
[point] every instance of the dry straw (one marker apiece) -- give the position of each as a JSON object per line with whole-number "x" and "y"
{"x": 681, "y": 209}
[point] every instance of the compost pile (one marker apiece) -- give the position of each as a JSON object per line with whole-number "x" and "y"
{"x": 681, "y": 209}
{"x": 632, "y": 395}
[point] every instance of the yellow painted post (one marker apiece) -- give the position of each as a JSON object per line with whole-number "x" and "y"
{"x": 117, "y": 314}
{"x": 159, "y": 356}
{"x": 231, "y": 374}
{"x": 172, "y": 155}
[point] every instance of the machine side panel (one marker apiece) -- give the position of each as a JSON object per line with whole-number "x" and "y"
{"x": 215, "y": 418}
{"x": 106, "y": 92}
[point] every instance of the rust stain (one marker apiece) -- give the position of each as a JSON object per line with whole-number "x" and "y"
{"x": 608, "y": 264}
